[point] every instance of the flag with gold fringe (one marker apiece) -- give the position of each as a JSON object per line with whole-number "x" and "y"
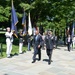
{"x": 24, "y": 24}
{"x": 14, "y": 20}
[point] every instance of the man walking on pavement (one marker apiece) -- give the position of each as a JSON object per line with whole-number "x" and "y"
{"x": 49, "y": 40}
{"x": 69, "y": 41}
{"x": 37, "y": 40}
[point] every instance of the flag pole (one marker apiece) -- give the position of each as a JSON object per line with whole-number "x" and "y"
{"x": 12, "y": 2}
{"x": 14, "y": 19}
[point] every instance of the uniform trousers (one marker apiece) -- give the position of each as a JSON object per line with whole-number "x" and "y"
{"x": 20, "y": 47}
{"x": 9, "y": 48}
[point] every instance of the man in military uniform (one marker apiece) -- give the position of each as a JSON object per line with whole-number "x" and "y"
{"x": 9, "y": 40}
{"x": 20, "y": 41}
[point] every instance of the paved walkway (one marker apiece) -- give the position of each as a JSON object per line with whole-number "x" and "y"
{"x": 63, "y": 64}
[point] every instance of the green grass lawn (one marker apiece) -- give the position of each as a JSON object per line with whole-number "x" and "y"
{"x": 15, "y": 49}
{"x": 2, "y": 32}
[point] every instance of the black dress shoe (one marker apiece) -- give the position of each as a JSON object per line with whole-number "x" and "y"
{"x": 39, "y": 59}
{"x": 49, "y": 63}
{"x": 33, "y": 61}
{"x": 21, "y": 53}
{"x": 11, "y": 55}
{"x": 69, "y": 50}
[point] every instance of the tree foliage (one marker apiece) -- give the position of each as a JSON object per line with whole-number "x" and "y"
{"x": 49, "y": 13}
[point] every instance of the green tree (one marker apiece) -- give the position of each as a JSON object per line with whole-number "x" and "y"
{"x": 49, "y": 13}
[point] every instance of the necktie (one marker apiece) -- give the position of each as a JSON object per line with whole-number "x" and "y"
{"x": 36, "y": 37}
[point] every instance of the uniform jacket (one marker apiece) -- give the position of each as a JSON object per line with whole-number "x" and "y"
{"x": 49, "y": 41}
{"x": 9, "y": 37}
{"x": 20, "y": 39}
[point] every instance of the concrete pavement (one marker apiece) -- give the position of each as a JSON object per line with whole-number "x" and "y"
{"x": 63, "y": 64}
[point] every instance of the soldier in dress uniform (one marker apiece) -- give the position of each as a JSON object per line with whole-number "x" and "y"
{"x": 20, "y": 41}
{"x": 9, "y": 40}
